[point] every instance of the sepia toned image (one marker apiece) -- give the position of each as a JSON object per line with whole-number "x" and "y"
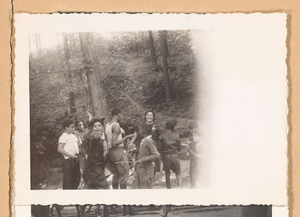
{"x": 192, "y": 107}
{"x": 139, "y": 87}
{"x": 151, "y": 211}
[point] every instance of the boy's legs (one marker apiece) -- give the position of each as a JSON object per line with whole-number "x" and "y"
{"x": 111, "y": 166}
{"x": 165, "y": 210}
{"x": 105, "y": 211}
{"x": 122, "y": 169}
{"x": 192, "y": 178}
{"x": 78, "y": 210}
{"x": 167, "y": 169}
{"x": 67, "y": 167}
{"x": 81, "y": 158}
{"x": 76, "y": 174}
{"x": 179, "y": 180}
{"x": 175, "y": 167}
{"x": 82, "y": 166}
{"x": 57, "y": 207}
{"x": 145, "y": 176}
{"x": 193, "y": 174}
{"x": 157, "y": 166}
{"x": 149, "y": 176}
{"x": 168, "y": 180}
{"x": 115, "y": 179}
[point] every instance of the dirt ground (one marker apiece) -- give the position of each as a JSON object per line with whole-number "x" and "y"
{"x": 179, "y": 211}
{"x": 54, "y": 178}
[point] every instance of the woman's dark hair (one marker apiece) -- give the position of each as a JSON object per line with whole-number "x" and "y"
{"x": 94, "y": 120}
{"x": 148, "y": 112}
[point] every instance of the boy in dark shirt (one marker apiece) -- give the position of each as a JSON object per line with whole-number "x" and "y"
{"x": 95, "y": 164}
{"x": 170, "y": 146}
{"x": 145, "y": 159}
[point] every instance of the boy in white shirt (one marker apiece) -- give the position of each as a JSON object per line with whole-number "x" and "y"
{"x": 68, "y": 146}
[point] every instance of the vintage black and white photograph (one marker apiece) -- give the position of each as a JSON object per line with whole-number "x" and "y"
{"x": 98, "y": 210}
{"x": 193, "y": 107}
{"x": 113, "y": 110}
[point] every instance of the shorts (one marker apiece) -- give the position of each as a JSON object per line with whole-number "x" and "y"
{"x": 145, "y": 176}
{"x": 171, "y": 162}
{"x": 117, "y": 164}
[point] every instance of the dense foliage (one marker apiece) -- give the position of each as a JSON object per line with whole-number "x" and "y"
{"x": 126, "y": 74}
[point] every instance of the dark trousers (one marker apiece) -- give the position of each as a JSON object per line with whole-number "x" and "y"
{"x": 95, "y": 176}
{"x": 71, "y": 173}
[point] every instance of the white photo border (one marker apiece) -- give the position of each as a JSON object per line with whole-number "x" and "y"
{"x": 275, "y": 191}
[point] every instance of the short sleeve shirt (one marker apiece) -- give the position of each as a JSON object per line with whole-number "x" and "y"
{"x": 70, "y": 143}
{"x": 147, "y": 148}
{"x": 170, "y": 143}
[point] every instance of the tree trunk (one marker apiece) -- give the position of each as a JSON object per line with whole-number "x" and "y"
{"x": 152, "y": 49}
{"x": 96, "y": 67}
{"x": 38, "y": 44}
{"x": 39, "y": 51}
{"x": 97, "y": 99}
{"x": 30, "y": 49}
{"x": 69, "y": 72}
{"x": 164, "y": 47}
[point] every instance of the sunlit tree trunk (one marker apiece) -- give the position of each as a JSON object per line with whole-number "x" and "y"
{"x": 69, "y": 73}
{"x": 90, "y": 62}
{"x": 30, "y": 48}
{"x": 38, "y": 44}
{"x": 152, "y": 48}
{"x": 164, "y": 47}
{"x": 39, "y": 50}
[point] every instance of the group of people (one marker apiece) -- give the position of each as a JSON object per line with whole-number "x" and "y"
{"x": 87, "y": 152}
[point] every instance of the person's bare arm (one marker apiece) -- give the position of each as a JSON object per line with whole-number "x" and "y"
{"x": 130, "y": 144}
{"x": 134, "y": 137}
{"x": 61, "y": 150}
{"x": 116, "y": 132}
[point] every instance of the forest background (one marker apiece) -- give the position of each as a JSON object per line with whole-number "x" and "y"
{"x": 73, "y": 74}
